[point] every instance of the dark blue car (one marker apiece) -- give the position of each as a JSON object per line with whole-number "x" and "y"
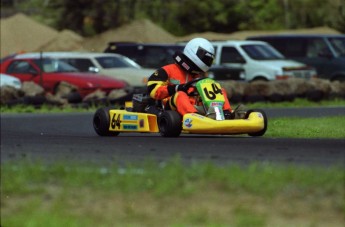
{"x": 325, "y": 52}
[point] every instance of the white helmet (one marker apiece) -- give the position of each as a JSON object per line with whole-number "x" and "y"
{"x": 201, "y": 52}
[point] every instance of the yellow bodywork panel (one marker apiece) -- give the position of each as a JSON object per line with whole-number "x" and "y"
{"x": 128, "y": 105}
{"x": 124, "y": 121}
{"x": 195, "y": 123}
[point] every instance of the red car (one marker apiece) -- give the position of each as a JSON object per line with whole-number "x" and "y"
{"x": 49, "y": 72}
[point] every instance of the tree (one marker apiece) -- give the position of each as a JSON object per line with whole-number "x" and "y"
{"x": 181, "y": 17}
{"x": 260, "y": 14}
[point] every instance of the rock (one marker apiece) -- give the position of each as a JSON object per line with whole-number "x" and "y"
{"x": 117, "y": 93}
{"x": 32, "y": 89}
{"x": 337, "y": 89}
{"x": 234, "y": 89}
{"x": 64, "y": 89}
{"x": 322, "y": 85}
{"x": 280, "y": 90}
{"x": 299, "y": 86}
{"x": 262, "y": 88}
{"x": 95, "y": 97}
{"x": 55, "y": 100}
{"x": 256, "y": 91}
{"x": 9, "y": 94}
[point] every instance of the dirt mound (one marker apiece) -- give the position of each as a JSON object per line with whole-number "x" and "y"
{"x": 241, "y": 35}
{"x": 20, "y": 33}
{"x": 66, "y": 40}
{"x": 143, "y": 31}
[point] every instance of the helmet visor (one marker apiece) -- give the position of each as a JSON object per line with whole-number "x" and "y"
{"x": 205, "y": 56}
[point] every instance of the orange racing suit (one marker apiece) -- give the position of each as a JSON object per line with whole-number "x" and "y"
{"x": 162, "y": 83}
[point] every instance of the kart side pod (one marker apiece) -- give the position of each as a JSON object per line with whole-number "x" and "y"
{"x": 254, "y": 124}
{"x": 110, "y": 122}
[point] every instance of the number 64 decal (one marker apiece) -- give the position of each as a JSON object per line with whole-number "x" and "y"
{"x": 116, "y": 122}
{"x": 212, "y": 93}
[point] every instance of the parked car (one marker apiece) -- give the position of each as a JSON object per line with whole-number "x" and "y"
{"x": 156, "y": 55}
{"x": 221, "y": 73}
{"x": 113, "y": 65}
{"x": 148, "y": 55}
{"x": 325, "y": 52}
{"x": 50, "y": 72}
{"x": 259, "y": 60}
{"x": 8, "y": 80}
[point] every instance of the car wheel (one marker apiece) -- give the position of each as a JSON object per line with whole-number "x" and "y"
{"x": 170, "y": 124}
{"x": 101, "y": 122}
{"x": 262, "y": 131}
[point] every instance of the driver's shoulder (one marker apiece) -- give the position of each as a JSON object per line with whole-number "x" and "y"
{"x": 172, "y": 68}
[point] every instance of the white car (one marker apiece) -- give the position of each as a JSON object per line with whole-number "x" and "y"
{"x": 259, "y": 60}
{"x": 109, "y": 64}
{"x": 7, "y": 80}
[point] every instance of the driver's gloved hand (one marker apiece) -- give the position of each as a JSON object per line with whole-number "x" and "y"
{"x": 172, "y": 89}
{"x": 228, "y": 115}
{"x": 181, "y": 87}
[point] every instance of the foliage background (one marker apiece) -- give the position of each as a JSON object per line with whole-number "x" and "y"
{"x": 182, "y": 17}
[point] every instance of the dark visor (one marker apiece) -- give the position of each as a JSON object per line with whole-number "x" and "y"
{"x": 205, "y": 56}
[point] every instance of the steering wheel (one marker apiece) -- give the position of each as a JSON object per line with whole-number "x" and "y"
{"x": 192, "y": 82}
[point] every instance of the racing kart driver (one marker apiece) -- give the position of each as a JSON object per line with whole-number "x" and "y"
{"x": 167, "y": 83}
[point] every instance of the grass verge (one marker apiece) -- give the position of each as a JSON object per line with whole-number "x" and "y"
{"x": 320, "y": 127}
{"x": 151, "y": 194}
{"x": 69, "y": 108}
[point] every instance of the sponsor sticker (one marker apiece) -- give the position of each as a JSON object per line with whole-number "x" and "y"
{"x": 216, "y": 104}
{"x": 141, "y": 123}
{"x": 197, "y": 115}
{"x": 174, "y": 81}
{"x": 188, "y": 122}
{"x": 130, "y": 127}
{"x": 185, "y": 66}
{"x": 130, "y": 117}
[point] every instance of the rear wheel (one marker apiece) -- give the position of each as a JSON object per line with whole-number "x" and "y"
{"x": 101, "y": 122}
{"x": 170, "y": 124}
{"x": 262, "y": 131}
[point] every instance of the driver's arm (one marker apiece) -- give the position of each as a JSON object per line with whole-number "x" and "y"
{"x": 158, "y": 85}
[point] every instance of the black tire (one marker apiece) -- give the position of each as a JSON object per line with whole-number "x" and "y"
{"x": 73, "y": 97}
{"x": 261, "y": 132}
{"x": 101, "y": 122}
{"x": 34, "y": 100}
{"x": 170, "y": 124}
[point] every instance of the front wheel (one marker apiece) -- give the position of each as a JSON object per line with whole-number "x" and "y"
{"x": 101, "y": 122}
{"x": 262, "y": 131}
{"x": 170, "y": 124}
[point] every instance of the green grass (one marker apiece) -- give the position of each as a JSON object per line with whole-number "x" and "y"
{"x": 320, "y": 127}
{"x": 298, "y": 103}
{"x": 69, "y": 108}
{"x": 151, "y": 194}
{"x": 44, "y": 109}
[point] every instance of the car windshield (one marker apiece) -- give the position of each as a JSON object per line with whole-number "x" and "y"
{"x": 262, "y": 52}
{"x": 338, "y": 45}
{"x": 109, "y": 62}
{"x": 50, "y": 65}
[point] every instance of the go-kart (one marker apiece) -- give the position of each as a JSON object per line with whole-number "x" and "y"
{"x": 144, "y": 114}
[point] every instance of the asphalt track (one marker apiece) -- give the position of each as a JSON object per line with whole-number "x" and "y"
{"x": 70, "y": 137}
